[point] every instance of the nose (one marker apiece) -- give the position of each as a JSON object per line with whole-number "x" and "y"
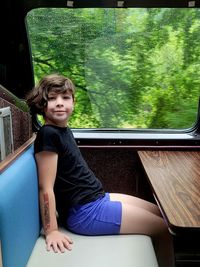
{"x": 59, "y": 101}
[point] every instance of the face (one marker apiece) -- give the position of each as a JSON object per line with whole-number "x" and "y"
{"x": 59, "y": 108}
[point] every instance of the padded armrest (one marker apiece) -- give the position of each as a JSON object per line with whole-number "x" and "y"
{"x": 19, "y": 210}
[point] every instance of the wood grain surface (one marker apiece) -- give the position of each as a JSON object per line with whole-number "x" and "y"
{"x": 13, "y": 156}
{"x": 1, "y": 264}
{"x": 175, "y": 179}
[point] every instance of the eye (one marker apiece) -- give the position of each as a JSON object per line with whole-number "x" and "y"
{"x": 66, "y": 97}
{"x": 50, "y": 98}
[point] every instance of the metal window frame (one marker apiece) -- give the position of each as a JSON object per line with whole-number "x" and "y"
{"x": 4, "y": 112}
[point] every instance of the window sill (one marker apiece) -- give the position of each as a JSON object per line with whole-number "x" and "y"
{"x": 137, "y": 139}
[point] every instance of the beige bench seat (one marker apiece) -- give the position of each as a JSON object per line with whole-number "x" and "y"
{"x": 98, "y": 251}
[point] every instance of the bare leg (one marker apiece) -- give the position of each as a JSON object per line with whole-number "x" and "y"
{"x": 137, "y": 219}
{"x": 137, "y": 202}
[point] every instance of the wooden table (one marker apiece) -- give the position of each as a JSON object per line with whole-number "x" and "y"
{"x": 175, "y": 180}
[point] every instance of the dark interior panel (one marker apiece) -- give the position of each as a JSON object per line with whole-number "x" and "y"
{"x": 119, "y": 169}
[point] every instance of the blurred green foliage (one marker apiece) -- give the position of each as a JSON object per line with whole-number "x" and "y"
{"x": 133, "y": 68}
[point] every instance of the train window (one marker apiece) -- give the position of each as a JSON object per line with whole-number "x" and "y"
{"x": 133, "y": 68}
{"x": 6, "y": 137}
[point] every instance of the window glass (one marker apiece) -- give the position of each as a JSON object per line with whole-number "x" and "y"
{"x": 133, "y": 67}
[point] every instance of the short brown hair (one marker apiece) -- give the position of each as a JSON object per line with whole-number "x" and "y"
{"x": 38, "y": 97}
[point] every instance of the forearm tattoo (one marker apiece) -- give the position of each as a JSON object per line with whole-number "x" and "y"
{"x": 46, "y": 213}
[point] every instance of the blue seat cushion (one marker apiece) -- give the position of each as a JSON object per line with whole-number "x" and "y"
{"x": 19, "y": 210}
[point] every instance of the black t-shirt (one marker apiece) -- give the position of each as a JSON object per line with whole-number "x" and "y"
{"x": 75, "y": 183}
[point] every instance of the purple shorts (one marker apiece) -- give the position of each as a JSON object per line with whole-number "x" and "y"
{"x": 100, "y": 217}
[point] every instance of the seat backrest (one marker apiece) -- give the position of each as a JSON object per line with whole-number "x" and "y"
{"x": 19, "y": 210}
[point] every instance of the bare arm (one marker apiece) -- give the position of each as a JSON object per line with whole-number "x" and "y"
{"x": 47, "y": 167}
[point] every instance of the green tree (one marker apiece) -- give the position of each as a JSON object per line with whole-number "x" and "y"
{"x": 134, "y": 68}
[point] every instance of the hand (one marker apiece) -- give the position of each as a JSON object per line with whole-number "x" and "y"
{"x": 58, "y": 241}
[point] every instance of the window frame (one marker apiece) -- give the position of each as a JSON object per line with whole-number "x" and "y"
{"x": 4, "y": 112}
{"x": 23, "y": 80}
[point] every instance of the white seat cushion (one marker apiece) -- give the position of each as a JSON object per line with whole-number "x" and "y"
{"x": 98, "y": 251}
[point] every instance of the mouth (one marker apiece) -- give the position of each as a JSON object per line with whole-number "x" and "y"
{"x": 59, "y": 112}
